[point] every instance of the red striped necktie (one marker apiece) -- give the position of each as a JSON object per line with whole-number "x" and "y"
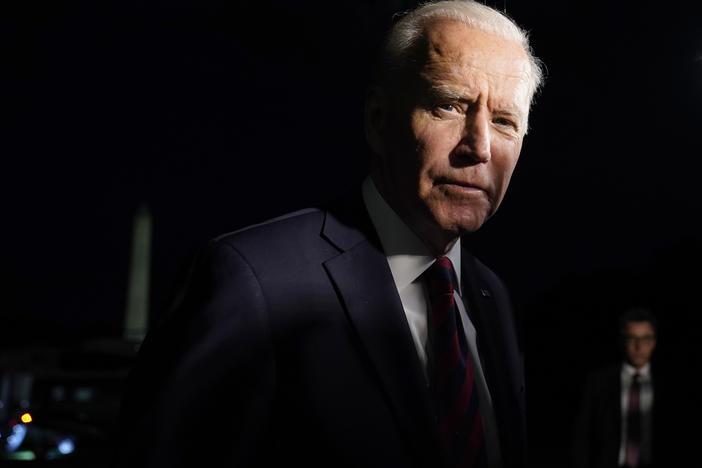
{"x": 458, "y": 408}
{"x": 633, "y": 429}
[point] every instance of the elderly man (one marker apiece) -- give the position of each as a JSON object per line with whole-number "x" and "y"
{"x": 363, "y": 335}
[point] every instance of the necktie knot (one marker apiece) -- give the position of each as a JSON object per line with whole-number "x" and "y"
{"x": 440, "y": 277}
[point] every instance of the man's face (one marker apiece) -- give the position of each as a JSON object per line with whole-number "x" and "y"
{"x": 639, "y": 343}
{"x": 454, "y": 131}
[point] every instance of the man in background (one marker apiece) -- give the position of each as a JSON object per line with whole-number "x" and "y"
{"x": 363, "y": 334}
{"x": 618, "y": 420}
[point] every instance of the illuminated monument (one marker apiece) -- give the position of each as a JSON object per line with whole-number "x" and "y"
{"x": 136, "y": 318}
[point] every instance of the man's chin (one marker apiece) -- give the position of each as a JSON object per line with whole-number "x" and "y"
{"x": 441, "y": 225}
{"x": 453, "y": 229}
{"x": 467, "y": 224}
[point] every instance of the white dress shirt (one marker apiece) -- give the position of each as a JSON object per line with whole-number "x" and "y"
{"x": 645, "y": 408}
{"x": 408, "y": 258}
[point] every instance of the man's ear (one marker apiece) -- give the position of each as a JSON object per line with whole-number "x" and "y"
{"x": 375, "y": 117}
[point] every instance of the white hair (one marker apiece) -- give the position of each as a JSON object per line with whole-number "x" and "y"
{"x": 405, "y": 34}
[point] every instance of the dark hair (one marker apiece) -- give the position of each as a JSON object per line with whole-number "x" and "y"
{"x": 637, "y": 314}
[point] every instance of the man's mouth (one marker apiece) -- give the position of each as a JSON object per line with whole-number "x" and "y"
{"x": 462, "y": 186}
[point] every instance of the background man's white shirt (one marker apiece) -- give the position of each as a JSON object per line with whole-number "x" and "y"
{"x": 645, "y": 408}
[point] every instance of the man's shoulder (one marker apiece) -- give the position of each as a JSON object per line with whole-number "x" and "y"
{"x": 339, "y": 224}
{"x": 298, "y": 222}
{"x": 292, "y": 238}
{"x": 604, "y": 375}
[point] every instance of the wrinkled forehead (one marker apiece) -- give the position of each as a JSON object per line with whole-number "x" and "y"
{"x": 450, "y": 50}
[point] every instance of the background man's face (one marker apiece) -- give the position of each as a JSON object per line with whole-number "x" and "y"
{"x": 639, "y": 343}
{"x": 455, "y": 130}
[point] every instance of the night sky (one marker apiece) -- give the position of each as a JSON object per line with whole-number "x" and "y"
{"x": 221, "y": 114}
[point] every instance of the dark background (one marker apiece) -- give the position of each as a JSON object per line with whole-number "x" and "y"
{"x": 219, "y": 114}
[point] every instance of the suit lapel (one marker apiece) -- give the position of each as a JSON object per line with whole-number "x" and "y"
{"x": 481, "y": 307}
{"x": 366, "y": 288}
{"x": 498, "y": 355}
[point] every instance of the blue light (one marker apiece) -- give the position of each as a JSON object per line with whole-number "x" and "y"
{"x": 66, "y": 446}
{"x": 15, "y": 440}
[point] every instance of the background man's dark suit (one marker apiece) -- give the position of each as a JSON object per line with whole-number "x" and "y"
{"x": 291, "y": 344}
{"x": 598, "y": 423}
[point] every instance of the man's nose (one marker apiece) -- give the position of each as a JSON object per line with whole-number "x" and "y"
{"x": 477, "y": 136}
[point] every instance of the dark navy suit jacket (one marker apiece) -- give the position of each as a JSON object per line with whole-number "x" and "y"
{"x": 290, "y": 345}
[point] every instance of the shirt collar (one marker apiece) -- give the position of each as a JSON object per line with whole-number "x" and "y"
{"x": 630, "y": 370}
{"x": 407, "y": 255}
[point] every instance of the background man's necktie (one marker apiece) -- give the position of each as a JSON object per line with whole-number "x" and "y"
{"x": 460, "y": 422}
{"x": 633, "y": 424}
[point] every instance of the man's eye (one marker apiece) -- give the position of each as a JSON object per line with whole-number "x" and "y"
{"x": 505, "y": 122}
{"x": 448, "y": 107}
{"x": 447, "y": 110}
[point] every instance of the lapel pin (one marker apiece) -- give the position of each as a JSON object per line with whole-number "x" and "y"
{"x": 485, "y": 292}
